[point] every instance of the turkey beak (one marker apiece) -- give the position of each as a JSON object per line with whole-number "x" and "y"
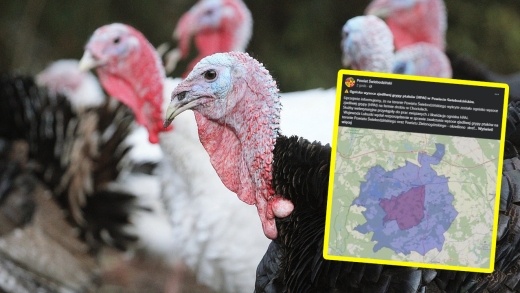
{"x": 180, "y": 103}
{"x": 88, "y": 61}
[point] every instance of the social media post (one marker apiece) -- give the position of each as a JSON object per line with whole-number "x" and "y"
{"x": 415, "y": 171}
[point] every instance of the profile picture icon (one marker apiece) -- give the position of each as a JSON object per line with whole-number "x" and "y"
{"x": 350, "y": 82}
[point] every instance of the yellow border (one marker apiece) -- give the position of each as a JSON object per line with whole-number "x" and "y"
{"x": 333, "y": 168}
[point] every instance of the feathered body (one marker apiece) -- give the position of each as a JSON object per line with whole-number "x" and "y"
{"x": 294, "y": 261}
{"x": 74, "y": 153}
{"x": 208, "y": 222}
{"x": 59, "y": 164}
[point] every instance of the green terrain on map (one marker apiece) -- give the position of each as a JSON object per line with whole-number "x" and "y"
{"x": 466, "y": 166}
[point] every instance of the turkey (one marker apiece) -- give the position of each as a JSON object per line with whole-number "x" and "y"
{"x": 202, "y": 211}
{"x": 237, "y": 109}
{"x": 60, "y": 203}
{"x": 64, "y": 77}
{"x": 217, "y": 26}
{"x": 367, "y": 45}
{"x": 426, "y": 21}
{"x": 146, "y": 265}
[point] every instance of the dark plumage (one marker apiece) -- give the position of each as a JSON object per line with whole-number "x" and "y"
{"x": 294, "y": 261}
{"x": 512, "y": 130}
{"x": 55, "y": 135}
{"x": 16, "y": 186}
{"x": 49, "y": 147}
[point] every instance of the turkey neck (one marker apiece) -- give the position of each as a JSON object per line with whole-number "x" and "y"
{"x": 240, "y": 144}
{"x": 139, "y": 83}
{"x": 246, "y": 140}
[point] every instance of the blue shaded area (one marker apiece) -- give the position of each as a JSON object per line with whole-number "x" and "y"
{"x": 439, "y": 212}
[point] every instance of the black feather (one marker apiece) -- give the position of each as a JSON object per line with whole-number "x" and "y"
{"x": 48, "y": 125}
{"x": 17, "y": 185}
{"x": 300, "y": 174}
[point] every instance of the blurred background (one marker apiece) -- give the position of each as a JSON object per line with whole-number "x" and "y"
{"x": 297, "y": 40}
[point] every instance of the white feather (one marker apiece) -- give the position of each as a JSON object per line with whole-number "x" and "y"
{"x": 142, "y": 151}
{"x": 214, "y": 233}
{"x": 153, "y": 228}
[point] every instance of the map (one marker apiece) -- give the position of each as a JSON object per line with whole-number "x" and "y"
{"x": 413, "y": 197}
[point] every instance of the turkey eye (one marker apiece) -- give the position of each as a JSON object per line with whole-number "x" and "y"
{"x": 116, "y": 40}
{"x": 210, "y": 74}
{"x": 181, "y": 95}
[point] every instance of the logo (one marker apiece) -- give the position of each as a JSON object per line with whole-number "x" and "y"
{"x": 349, "y": 82}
